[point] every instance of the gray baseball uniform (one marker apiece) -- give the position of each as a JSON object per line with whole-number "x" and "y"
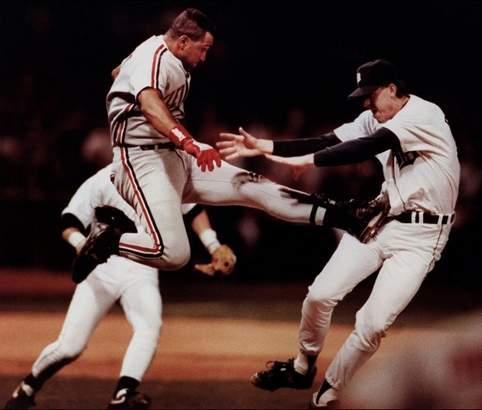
{"x": 156, "y": 180}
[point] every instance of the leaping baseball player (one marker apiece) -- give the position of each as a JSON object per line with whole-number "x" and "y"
{"x": 135, "y": 285}
{"x": 158, "y": 164}
{"x": 415, "y": 211}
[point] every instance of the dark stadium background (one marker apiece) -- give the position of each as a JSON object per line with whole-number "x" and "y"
{"x": 278, "y": 69}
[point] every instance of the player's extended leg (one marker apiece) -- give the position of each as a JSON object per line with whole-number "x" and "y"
{"x": 152, "y": 182}
{"x": 141, "y": 302}
{"x": 351, "y": 262}
{"x": 91, "y": 300}
{"x": 230, "y": 185}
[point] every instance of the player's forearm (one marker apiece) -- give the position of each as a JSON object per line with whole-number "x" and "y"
{"x": 156, "y": 112}
{"x": 357, "y": 150}
{"x": 297, "y": 147}
{"x": 202, "y": 226}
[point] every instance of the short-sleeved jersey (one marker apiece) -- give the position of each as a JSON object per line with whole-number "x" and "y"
{"x": 424, "y": 173}
{"x": 98, "y": 190}
{"x": 151, "y": 65}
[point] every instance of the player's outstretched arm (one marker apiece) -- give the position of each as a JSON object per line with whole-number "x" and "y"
{"x": 156, "y": 112}
{"x": 243, "y": 144}
{"x": 223, "y": 258}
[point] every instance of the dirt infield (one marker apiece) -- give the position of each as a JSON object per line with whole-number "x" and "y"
{"x": 208, "y": 348}
{"x": 201, "y": 363}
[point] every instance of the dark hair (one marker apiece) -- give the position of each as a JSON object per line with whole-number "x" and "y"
{"x": 402, "y": 89}
{"x": 192, "y": 23}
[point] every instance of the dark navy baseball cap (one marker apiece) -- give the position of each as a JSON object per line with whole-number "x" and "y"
{"x": 374, "y": 74}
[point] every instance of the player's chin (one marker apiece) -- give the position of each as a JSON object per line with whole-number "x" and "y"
{"x": 380, "y": 118}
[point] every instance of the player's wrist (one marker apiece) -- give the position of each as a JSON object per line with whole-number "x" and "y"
{"x": 76, "y": 239}
{"x": 210, "y": 240}
{"x": 264, "y": 146}
{"x": 180, "y": 136}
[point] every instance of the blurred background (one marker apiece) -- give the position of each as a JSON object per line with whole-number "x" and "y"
{"x": 280, "y": 70}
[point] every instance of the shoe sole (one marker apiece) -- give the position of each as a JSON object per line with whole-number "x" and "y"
{"x": 256, "y": 381}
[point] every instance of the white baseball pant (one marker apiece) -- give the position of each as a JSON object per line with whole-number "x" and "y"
{"x": 137, "y": 288}
{"x": 404, "y": 253}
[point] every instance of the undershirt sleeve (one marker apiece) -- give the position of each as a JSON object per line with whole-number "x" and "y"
{"x": 296, "y": 147}
{"x": 357, "y": 150}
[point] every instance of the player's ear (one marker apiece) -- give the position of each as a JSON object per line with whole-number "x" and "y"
{"x": 183, "y": 41}
{"x": 393, "y": 89}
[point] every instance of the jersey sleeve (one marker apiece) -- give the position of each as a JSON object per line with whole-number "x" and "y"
{"x": 362, "y": 126}
{"x": 87, "y": 197}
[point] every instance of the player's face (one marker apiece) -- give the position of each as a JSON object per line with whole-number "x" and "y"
{"x": 195, "y": 52}
{"x": 382, "y": 103}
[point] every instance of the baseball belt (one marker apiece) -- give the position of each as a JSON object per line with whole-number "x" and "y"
{"x": 148, "y": 147}
{"x": 420, "y": 217}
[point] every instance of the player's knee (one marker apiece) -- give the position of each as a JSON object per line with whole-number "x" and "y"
{"x": 370, "y": 330}
{"x": 176, "y": 257}
{"x": 320, "y": 297}
{"x": 147, "y": 337}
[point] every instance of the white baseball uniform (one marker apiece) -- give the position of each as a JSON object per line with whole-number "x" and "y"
{"x": 135, "y": 285}
{"x": 421, "y": 179}
{"x": 156, "y": 181}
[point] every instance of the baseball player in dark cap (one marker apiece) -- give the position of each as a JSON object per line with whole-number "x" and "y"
{"x": 413, "y": 141}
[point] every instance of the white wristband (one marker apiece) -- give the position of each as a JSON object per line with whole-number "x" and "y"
{"x": 210, "y": 240}
{"x": 75, "y": 238}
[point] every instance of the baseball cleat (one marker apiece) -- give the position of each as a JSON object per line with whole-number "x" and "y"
{"x": 102, "y": 242}
{"x": 326, "y": 400}
{"x": 127, "y": 399}
{"x": 22, "y": 398}
{"x": 283, "y": 374}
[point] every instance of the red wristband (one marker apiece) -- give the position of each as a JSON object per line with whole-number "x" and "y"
{"x": 179, "y": 135}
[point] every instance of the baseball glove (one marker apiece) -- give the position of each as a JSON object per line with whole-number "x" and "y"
{"x": 222, "y": 262}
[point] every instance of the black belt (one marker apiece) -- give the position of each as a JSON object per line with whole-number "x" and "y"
{"x": 420, "y": 217}
{"x": 161, "y": 145}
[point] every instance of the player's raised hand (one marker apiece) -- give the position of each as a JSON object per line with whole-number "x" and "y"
{"x": 298, "y": 164}
{"x": 207, "y": 157}
{"x": 242, "y": 145}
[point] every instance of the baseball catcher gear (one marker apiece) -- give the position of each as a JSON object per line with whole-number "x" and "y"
{"x": 222, "y": 262}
